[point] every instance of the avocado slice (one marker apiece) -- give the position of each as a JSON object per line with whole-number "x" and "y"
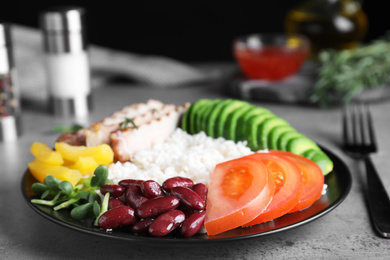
{"x": 199, "y": 116}
{"x": 230, "y": 129}
{"x": 266, "y": 127}
{"x": 299, "y": 145}
{"x": 309, "y": 153}
{"x": 253, "y": 127}
{"x": 211, "y": 121}
{"x": 275, "y": 133}
{"x": 195, "y": 112}
{"x": 206, "y": 114}
{"x": 185, "y": 120}
{"x": 243, "y": 121}
{"x": 321, "y": 159}
{"x": 285, "y": 137}
{"x": 203, "y": 113}
{"x": 226, "y": 110}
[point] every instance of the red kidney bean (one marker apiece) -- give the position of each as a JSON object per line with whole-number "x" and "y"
{"x": 192, "y": 224}
{"x": 187, "y": 211}
{"x": 201, "y": 190}
{"x": 115, "y": 202}
{"x": 151, "y": 189}
{"x": 130, "y": 182}
{"x": 117, "y": 217}
{"x": 166, "y": 222}
{"x": 133, "y": 196}
{"x": 189, "y": 198}
{"x": 156, "y": 206}
{"x": 141, "y": 226}
{"x": 176, "y": 182}
{"x": 115, "y": 190}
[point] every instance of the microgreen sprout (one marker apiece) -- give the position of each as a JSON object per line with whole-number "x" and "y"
{"x": 66, "y": 129}
{"x": 103, "y": 208}
{"x": 83, "y": 199}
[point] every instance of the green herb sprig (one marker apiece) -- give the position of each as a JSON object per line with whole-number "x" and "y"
{"x": 82, "y": 198}
{"x": 344, "y": 74}
{"x": 126, "y": 123}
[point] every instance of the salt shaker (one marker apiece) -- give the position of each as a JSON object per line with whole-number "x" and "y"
{"x": 67, "y": 60}
{"x": 9, "y": 96}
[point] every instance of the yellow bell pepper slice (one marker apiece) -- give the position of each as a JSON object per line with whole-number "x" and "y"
{"x": 41, "y": 170}
{"x": 85, "y": 165}
{"x": 102, "y": 154}
{"x": 45, "y": 154}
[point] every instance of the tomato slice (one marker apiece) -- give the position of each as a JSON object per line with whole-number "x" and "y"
{"x": 312, "y": 180}
{"x": 288, "y": 186}
{"x": 239, "y": 190}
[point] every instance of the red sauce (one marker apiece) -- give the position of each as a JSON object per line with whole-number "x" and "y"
{"x": 270, "y": 63}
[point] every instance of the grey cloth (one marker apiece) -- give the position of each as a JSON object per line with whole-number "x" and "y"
{"x": 153, "y": 71}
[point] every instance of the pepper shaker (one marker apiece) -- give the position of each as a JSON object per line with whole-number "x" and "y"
{"x": 67, "y": 60}
{"x": 9, "y": 96}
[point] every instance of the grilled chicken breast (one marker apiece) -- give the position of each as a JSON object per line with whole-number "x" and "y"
{"x": 152, "y": 122}
{"x": 126, "y": 142}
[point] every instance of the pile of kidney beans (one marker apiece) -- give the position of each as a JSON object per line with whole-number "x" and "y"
{"x": 145, "y": 206}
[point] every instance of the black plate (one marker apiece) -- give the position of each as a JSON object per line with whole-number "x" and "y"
{"x": 338, "y": 182}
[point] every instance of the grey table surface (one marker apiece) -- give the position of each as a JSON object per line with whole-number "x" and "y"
{"x": 344, "y": 233}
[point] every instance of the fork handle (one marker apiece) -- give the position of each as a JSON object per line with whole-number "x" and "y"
{"x": 378, "y": 200}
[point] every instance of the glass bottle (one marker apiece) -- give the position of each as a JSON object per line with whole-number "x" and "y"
{"x": 9, "y": 95}
{"x": 67, "y": 60}
{"x": 335, "y": 24}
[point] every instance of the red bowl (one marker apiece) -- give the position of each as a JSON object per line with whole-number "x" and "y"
{"x": 270, "y": 56}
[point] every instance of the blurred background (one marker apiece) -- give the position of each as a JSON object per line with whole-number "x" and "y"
{"x": 189, "y": 31}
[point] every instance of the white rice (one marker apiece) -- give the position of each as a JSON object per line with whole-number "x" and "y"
{"x": 192, "y": 156}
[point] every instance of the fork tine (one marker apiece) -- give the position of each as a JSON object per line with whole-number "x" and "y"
{"x": 349, "y": 131}
{"x": 371, "y": 132}
{"x": 363, "y": 122}
{"x": 354, "y": 124}
{"x": 358, "y": 129}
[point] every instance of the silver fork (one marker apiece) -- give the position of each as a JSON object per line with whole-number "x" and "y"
{"x": 359, "y": 142}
